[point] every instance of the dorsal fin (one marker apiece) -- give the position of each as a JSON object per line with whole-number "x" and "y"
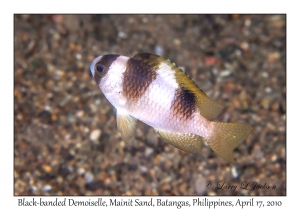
{"x": 150, "y": 59}
{"x": 209, "y": 108}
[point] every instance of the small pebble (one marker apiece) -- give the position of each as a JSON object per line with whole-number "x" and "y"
{"x": 245, "y": 46}
{"x": 47, "y": 168}
{"x": 159, "y": 50}
{"x": 148, "y": 151}
{"x": 176, "y": 41}
{"x": 89, "y": 177}
{"x": 143, "y": 169}
{"x": 225, "y": 73}
{"x": 86, "y": 130}
{"x": 274, "y": 158}
{"x": 234, "y": 172}
{"x": 265, "y": 103}
{"x": 200, "y": 185}
{"x": 80, "y": 113}
{"x": 122, "y": 34}
{"x": 47, "y": 188}
{"x": 95, "y": 134}
{"x": 247, "y": 23}
{"x": 80, "y": 171}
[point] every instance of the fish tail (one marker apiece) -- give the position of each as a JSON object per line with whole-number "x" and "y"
{"x": 226, "y": 137}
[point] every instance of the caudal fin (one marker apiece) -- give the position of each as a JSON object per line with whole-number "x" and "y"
{"x": 226, "y": 137}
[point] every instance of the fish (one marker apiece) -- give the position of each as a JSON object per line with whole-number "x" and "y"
{"x": 151, "y": 89}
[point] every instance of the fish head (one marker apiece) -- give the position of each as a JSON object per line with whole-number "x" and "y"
{"x": 108, "y": 72}
{"x": 99, "y": 68}
{"x": 106, "y": 68}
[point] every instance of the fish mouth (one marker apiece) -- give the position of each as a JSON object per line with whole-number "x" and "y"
{"x": 92, "y": 66}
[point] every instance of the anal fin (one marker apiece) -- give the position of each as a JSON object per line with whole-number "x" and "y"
{"x": 126, "y": 125}
{"x": 185, "y": 141}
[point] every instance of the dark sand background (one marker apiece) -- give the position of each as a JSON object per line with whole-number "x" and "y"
{"x": 65, "y": 134}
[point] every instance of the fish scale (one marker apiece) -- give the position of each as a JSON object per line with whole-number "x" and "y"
{"x": 151, "y": 89}
{"x": 157, "y": 113}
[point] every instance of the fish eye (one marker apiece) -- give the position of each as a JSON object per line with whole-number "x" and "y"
{"x": 100, "y": 68}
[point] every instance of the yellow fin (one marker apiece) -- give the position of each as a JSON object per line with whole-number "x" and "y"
{"x": 126, "y": 125}
{"x": 185, "y": 141}
{"x": 209, "y": 108}
{"x": 226, "y": 137}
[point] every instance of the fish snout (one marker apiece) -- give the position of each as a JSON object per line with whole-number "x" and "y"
{"x": 92, "y": 66}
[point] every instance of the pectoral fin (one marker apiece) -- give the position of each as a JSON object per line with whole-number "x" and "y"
{"x": 126, "y": 125}
{"x": 185, "y": 141}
